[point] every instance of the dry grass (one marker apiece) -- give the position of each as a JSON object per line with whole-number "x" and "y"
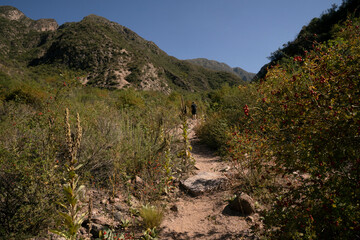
{"x": 151, "y": 215}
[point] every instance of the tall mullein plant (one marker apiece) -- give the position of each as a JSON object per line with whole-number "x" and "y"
{"x": 72, "y": 218}
{"x": 185, "y": 153}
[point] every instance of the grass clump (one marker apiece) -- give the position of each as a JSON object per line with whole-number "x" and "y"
{"x": 151, "y": 215}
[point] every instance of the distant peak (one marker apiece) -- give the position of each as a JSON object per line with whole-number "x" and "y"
{"x": 220, "y": 66}
{"x": 11, "y": 13}
{"x": 93, "y": 17}
{"x": 41, "y": 25}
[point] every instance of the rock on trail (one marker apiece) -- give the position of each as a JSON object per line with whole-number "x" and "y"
{"x": 201, "y": 211}
{"x": 203, "y": 182}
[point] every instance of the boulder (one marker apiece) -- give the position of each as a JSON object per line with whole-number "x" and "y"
{"x": 244, "y": 204}
{"x": 203, "y": 182}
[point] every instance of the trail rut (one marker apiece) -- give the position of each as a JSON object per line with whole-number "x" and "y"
{"x": 206, "y": 216}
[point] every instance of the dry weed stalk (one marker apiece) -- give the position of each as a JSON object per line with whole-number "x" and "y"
{"x": 90, "y": 207}
{"x": 72, "y": 218}
{"x": 73, "y": 145}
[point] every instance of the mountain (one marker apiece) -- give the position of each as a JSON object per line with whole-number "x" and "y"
{"x": 219, "y": 66}
{"x": 19, "y": 33}
{"x": 318, "y": 30}
{"x": 109, "y": 54}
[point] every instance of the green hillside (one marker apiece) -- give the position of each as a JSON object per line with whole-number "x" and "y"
{"x": 218, "y": 66}
{"x": 108, "y": 55}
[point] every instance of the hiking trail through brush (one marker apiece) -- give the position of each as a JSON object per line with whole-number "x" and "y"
{"x": 206, "y": 216}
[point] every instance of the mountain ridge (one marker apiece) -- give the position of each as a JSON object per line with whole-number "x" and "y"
{"x": 40, "y": 25}
{"x": 220, "y": 66}
{"x": 109, "y": 54}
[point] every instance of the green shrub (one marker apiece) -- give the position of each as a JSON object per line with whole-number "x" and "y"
{"x": 308, "y": 121}
{"x": 225, "y": 112}
{"x": 212, "y": 131}
{"x": 28, "y": 172}
{"x": 130, "y": 98}
{"x": 26, "y": 95}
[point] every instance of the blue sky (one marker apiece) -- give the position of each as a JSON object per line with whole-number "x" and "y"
{"x": 240, "y": 33}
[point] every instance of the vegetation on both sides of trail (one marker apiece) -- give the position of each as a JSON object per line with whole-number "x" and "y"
{"x": 292, "y": 137}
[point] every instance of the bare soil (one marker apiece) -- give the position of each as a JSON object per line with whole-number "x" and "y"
{"x": 206, "y": 216}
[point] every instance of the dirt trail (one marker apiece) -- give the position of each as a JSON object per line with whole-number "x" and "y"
{"x": 205, "y": 216}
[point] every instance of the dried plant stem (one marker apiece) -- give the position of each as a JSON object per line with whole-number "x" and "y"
{"x": 90, "y": 207}
{"x": 72, "y": 218}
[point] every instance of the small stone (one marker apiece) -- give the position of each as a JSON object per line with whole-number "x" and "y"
{"x": 250, "y": 219}
{"x": 100, "y": 220}
{"x": 95, "y": 229}
{"x": 174, "y": 208}
{"x": 258, "y": 226}
{"x": 244, "y": 204}
{"x": 225, "y": 169}
{"x": 83, "y": 231}
{"x": 134, "y": 202}
{"x": 119, "y": 207}
{"x": 138, "y": 180}
{"x": 118, "y": 216}
{"x": 104, "y": 201}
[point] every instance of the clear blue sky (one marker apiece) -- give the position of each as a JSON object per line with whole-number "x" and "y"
{"x": 241, "y": 33}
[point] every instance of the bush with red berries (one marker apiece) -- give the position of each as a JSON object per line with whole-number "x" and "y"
{"x": 307, "y": 127}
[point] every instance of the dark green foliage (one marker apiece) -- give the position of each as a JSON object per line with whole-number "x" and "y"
{"x": 212, "y": 132}
{"x": 21, "y": 96}
{"x": 28, "y": 177}
{"x": 225, "y": 112}
{"x": 222, "y": 67}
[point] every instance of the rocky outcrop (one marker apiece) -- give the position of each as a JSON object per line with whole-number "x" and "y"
{"x": 151, "y": 79}
{"x": 41, "y": 25}
{"x": 11, "y": 13}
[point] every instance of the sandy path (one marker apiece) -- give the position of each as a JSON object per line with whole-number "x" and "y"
{"x": 206, "y": 216}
